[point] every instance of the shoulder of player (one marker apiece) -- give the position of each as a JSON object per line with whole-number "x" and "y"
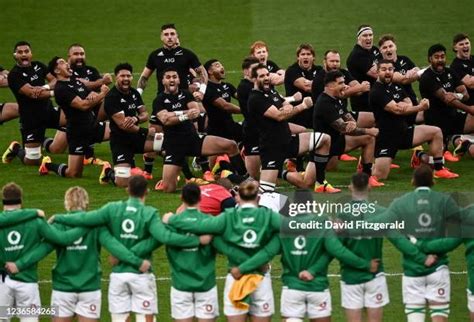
{"x": 293, "y": 68}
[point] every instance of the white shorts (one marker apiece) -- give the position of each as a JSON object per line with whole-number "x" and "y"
{"x": 202, "y": 305}
{"x": 261, "y": 300}
{"x": 86, "y": 304}
{"x": 434, "y": 287}
{"x": 372, "y": 294}
{"x": 131, "y": 292}
{"x": 470, "y": 301}
{"x": 296, "y": 303}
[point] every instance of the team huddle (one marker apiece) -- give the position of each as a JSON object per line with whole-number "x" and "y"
{"x": 326, "y": 112}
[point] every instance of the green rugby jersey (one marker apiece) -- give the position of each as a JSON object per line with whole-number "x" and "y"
{"x": 17, "y": 240}
{"x": 129, "y": 222}
{"x": 78, "y": 266}
{"x": 248, "y": 227}
{"x": 15, "y": 216}
{"x": 425, "y": 213}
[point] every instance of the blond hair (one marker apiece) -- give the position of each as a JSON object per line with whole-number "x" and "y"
{"x": 248, "y": 191}
{"x": 76, "y": 198}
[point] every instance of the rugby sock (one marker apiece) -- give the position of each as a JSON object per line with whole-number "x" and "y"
{"x": 266, "y": 186}
{"x": 59, "y": 168}
{"x": 367, "y": 168}
{"x": 148, "y": 164}
{"x": 235, "y": 178}
{"x": 186, "y": 170}
{"x": 284, "y": 174}
{"x": 439, "y": 310}
{"x": 47, "y": 143}
{"x": 320, "y": 161}
{"x": 454, "y": 138}
{"x": 238, "y": 164}
{"x": 204, "y": 163}
{"x": 89, "y": 152}
{"x": 21, "y": 154}
{"x": 415, "y": 313}
{"x": 438, "y": 163}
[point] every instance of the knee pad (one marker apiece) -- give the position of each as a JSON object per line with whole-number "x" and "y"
{"x": 439, "y": 310}
{"x": 142, "y": 318}
{"x": 122, "y": 172}
{"x": 415, "y": 312}
{"x": 120, "y": 317}
{"x": 33, "y": 153}
{"x": 158, "y": 142}
{"x": 315, "y": 140}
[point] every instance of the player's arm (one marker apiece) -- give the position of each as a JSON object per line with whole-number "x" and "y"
{"x": 222, "y": 104}
{"x": 468, "y": 81}
{"x": 335, "y": 248}
{"x": 209, "y": 225}
{"x": 165, "y": 236}
{"x": 355, "y": 88}
{"x": 4, "y": 78}
{"x": 9, "y": 218}
{"x": 201, "y": 73}
{"x": 36, "y": 92}
{"x": 303, "y": 84}
{"x": 406, "y": 107}
{"x": 143, "y": 80}
{"x": 287, "y": 111}
{"x": 277, "y": 78}
{"x": 117, "y": 249}
{"x": 173, "y": 118}
{"x": 321, "y": 263}
{"x": 439, "y": 245}
{"x": 406, "y": 247}
{"x": 106, "y": 79}
{"x": 451, "y": 99}
{"x": 51, "y": 80}
{"x": 372, "y": 72}
{"x": 60, "y": 237}
{"x": 229, "y": 250}
{"x": 92, "y": 218}
{"x": 145, "y": 247}
{"x": 351, "y": 128}
{"x": 34, "y": 256}
{"x": 263, "y": 256}
{"x": 90, "y": 101}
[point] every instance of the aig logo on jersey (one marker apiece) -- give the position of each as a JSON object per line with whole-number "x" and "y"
{"x": 250, "y": 237}
{"x": 299, "y": 243}
{"x": 14, "y": 239}
{"x": 128, "y": 227}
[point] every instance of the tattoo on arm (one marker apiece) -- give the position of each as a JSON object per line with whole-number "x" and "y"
{"x": 348, "y": 117}
{"x": 358, "y": 131}
{"x": 339, "y": 125}
{"x": 142, "y": 82}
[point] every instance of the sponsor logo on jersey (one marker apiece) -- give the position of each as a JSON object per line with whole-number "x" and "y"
{"x": 169, "y": 60}
{"x": 299, "y": 243}
{"x": 128, "y": 227}
{"x": 160, "y": 54}
{"x": 14, "y": 239}
{"x": 249, "y": 237}
{"x": 424, "y": 220}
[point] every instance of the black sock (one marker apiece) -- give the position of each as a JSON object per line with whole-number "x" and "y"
{"x": 59, "y": 168}
{"x": 204, "y": 163}
{"x": 89, "y": 152}
{"x": 148, "y": 164}
{"x": 420, "y": 154}
{"x": 186, "y": 170}
{"x": 236, "y": 179}
{"x": 284, "y": 174}
{"x": 454, "y": 138}
{"x": 238, "y": 164}
{"x": 21, "y": 154}
{"x": 367, "y": 168}
{"x": 438, "y": 163}
{"x": 320, "y": 160}
{"x": 47, "y": 143}
{"x": 299, "y": 164}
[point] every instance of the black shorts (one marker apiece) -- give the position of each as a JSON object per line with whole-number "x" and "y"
{"x": 448, "y": 125}
{"x": 304, "y": 118}
{"x": 338, "y": 145}
{"x": 35, "y": 131}
{"x": 176, "y": 151}
{"x": 79, "y": 144}
{"x": 231, "y": 131}
{"x": 388, "y": 144}
{"x": 124, "y": 148}
{"x": 273, "y": 156}
{"x": 251, "y": 147}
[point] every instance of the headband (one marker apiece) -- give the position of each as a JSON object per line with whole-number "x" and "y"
{"x": 363, "y": 29}
{"x": 12, "y": 202}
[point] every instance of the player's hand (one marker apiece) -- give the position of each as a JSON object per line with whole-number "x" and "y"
{"x": 298, "y": 96}
{"x": 350, "y": 126}
{"x": 424, "y": 104}
{"x": 365, "y": 86}
{"x": 235, "y": 272}
{"x": 128, "y": 122}
{"x": 11, "y": 268}
{"x": 166, "y": 217}
{"x": 308, "y": 102}
{"x": 40, "y": 213}
{"x": 450, "y": 97}
{"x": 305, "y": 276}
{"x": 92, "y": 96}
{"x": 51, "y": 219}
{"x": 373, "y": 131}
{"x": 107, "y": 79}
{"x": 264, "y": 268}
{"x": 194, "y": 113}
{"x": 104, "y": 89}
{"x": 145, "y": 266}
{"x": 113, "y": 260}
{"x": 198, "y": 96}
{"x": 374, "y": 265}
{"x": 430, "y": 260}
{"x": 205, "y": 239}
{"x": 37, "y": 91}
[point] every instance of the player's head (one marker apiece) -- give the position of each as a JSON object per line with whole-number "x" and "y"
{"x": 365, "y": 36}
{"x": 215, "y": 69}
{"x": 387, "y": 47}
{"x": 170, "y": 80}
{"x": 437, "y": 57}
{"x": 169, "y": 35}
{"x": 385, "y": 71}
{"x": 261, "y": 77}
{"x": 76, "y": 55}
{"x": 123, "y": 76}
{"x": 332, "y": 60}
{"x": 247, "y": 64}
{"x": 334, "y": 83}
{"x": 76, "y": 198}
{"x": 259, "y": 50}
{"x": 137, "y": 187}
{"x": 248, "y": 192}
{"x": 359, "y": 183}
{"x": 59, "y": 67}
{"x": 462, "y": 46}
{"x": 12, "y": 194}
{"x": 423, "y": 176}
{"x": 22, "y": 53}
{"x": 305, "y": 56}
{"x": 191, "y": 194}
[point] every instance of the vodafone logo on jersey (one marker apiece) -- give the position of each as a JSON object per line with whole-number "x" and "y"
{"x": 249, "y": 237}
{"x": 128, "y": 227}
{"x": 14, "y": 239}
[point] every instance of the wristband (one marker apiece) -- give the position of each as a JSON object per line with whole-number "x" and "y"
{"x": 143, "y": 131}
{"x": 290, "y": 99}
{"x": 140, "y": 91}
{"x": 51, "y": 93}
{"x": 183, "y": 117}
{"x": 460, "y": 96}
{"x": 178, "y": 113}
{"x": 46, "y": 86}
{"x": 202, "y": 88}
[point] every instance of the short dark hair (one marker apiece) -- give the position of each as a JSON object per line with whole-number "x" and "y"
{"x": 169, "y": 69}
{"x": 331, "y": 76}
{"x": 385, "y": 38}
{"x": 249, "y": 61}
{"x": 333, "y": 51}
{"x": 360, "y": 181}
{"x": 256, "y": 68}
{"x": 423, "y": 176}
{"x": 306, "y": 47}
{"x": 248, "y": 190}
{"x": 191, "y": 194}
{"x": 168, "y": 26}
{"x": 52, "y": 65}
{"x": 74, "y": 45}
{"x": 459, "y": 37}
{"x": 436, "y": 48}
{"x": 21, "y": 43}
{"x": 12, "y": 194}
{"x": 383, "y": 61}
{"x": 209, "y": 63}
{"x": 137, "y": 186}
{"x": 123, "y": 66}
